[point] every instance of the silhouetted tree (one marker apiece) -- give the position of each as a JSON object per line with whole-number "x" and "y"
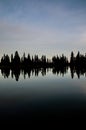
{"x": 72, "y": 59}
{"x": 78, "y": 59}
{"x": 16, "y": 60}
{"x": 29, "y": 60}
{"x": 5, "y": 60}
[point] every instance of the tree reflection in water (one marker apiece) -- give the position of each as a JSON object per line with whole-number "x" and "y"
{"x": 15, "y": 73}
{"x": 17, "y": 65}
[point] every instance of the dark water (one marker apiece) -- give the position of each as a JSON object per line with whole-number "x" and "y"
{"x": 48, "y": 97}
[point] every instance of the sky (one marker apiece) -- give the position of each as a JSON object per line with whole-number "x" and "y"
{"x": 48, "y": 27}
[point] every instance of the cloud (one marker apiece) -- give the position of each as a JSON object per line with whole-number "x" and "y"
{"x": 45, "y": 26}
{"x": 40, "y": 37}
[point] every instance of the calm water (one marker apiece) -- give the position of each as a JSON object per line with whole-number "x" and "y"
{"x": 50, "y": 96}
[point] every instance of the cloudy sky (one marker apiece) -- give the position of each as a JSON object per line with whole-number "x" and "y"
{"x": 42, "y": 26}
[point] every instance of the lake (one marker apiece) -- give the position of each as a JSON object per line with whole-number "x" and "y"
{"x": 41, "y": 95}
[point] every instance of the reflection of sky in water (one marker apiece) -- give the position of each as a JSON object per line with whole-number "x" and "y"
{"x": 40, "y": 95}
{"x": 42, "y": 86}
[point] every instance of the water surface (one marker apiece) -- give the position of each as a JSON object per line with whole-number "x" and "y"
{"x": 43, "y": 96}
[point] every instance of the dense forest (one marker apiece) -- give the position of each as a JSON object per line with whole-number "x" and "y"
{"x": 34, "y": 65}
{"x": 57, "y": 61}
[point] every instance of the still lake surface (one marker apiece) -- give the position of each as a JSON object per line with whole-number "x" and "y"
{"x": 50, "y": 96}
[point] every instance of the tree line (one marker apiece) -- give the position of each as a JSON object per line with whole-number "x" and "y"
{"x": 15, "y": 61}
